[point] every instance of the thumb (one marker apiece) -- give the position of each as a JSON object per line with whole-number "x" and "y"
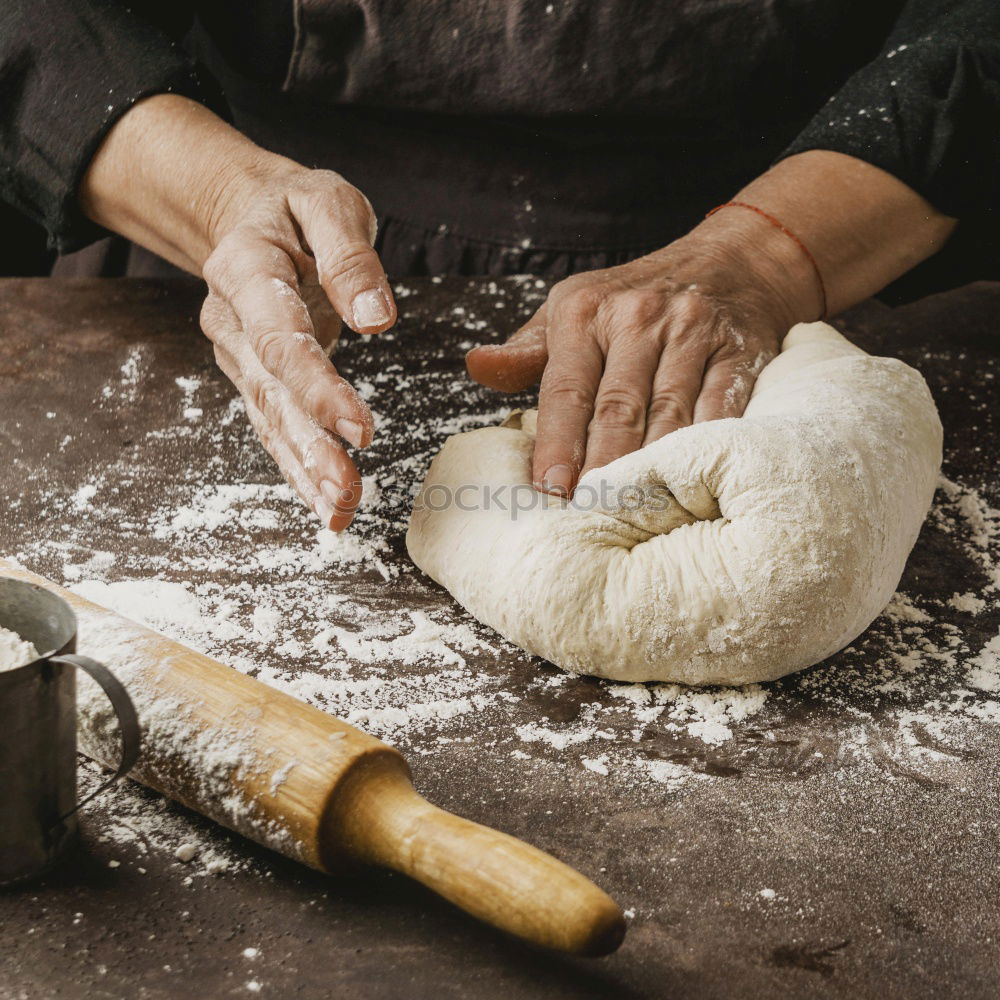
{"x": 514, "y": 365}
{"x": 338, "y": 223}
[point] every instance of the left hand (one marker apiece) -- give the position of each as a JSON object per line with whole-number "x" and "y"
{"x": 631, "y": 353}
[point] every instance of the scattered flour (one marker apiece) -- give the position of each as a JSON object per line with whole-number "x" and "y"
{"x": 967, "y": 602}
{"x": 427, "y": 641}
{"x": 533, "y": 732}
{"x": 82, "y": 498}
{"x": 141, "y": 824}
{"x": 985, "y": 668}
{"x": 980, "y": 522}
{"x": 663, "y": 772}
{"x": 251, "y": 505}
{"x": 280, "y": 776}
{"x": 598, "y": 765}
{"x": 229, "y": 562}
{"x": 170, "y": 608}
{"x": 127, "y": 387}
{"x": 705, "y": 713}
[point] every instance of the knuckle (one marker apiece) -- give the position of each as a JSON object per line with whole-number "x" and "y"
{"x": 340, "y": 199}
{"x": 668, "y": 404}
{"x": 619, "y": 408}
{"x": 572, "y": 283}
{"x": 217, "y": 266}
{"x": 564, "y": 389}
{"x": 351, "y": 260}
{"x": 690, "y": 308}
{"x": 580, "y": 303}
{"x": 560, "y": 289}
{"x": 256, "y": 390}
{"x": 239, "y": 260}
{"x": 210, "y": 317}
{"x": 314, "y": 397}
{"x": 361, "y": 206}
{"x": 320, "y": 180}
{"x": 222, "y": 360}
{"x": 642, "y": 307}
{"x": 272, "y": 347}
{"x": 263, "y": 394}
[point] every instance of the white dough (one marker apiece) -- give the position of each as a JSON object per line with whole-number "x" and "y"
{"x": 778, "y": 538}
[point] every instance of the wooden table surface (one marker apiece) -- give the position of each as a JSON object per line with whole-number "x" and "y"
{"x": 843, "y": 842}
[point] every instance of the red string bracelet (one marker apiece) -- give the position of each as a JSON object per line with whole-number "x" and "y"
{"x": 778, "y": 225}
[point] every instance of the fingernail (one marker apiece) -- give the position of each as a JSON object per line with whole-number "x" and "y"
{"x": 342, "y": 504}
{"x": 350, "y": 430}
{"x": 370, "y": 308}
{"x": 558, "y": 481}
{"x": 342, "y": 499}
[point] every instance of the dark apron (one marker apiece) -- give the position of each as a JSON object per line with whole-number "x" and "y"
{"x": 533, "y": 137}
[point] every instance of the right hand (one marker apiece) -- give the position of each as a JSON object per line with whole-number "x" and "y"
{"x": 298, "y": 234}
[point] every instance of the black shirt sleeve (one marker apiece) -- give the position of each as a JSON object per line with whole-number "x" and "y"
{"x": 69, "y": 69}
{"x": 927, "y": 110}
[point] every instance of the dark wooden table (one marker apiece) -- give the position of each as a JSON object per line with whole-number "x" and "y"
{"x": 842, "y": 843}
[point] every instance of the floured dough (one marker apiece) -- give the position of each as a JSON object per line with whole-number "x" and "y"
{"x": 727, "y": 552}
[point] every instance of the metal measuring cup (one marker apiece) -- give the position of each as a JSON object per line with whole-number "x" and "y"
{"x": 38, "y": 806}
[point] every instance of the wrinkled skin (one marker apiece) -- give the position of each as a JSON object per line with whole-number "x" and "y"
{"x": 282, "y": 269}
{"x": 628, "y": 354}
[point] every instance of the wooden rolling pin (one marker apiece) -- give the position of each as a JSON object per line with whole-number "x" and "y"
{"x": 302, "y": 782}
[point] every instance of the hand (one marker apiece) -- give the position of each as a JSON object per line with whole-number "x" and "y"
{"x": 300, "y": 232}
{"x": 631, "y": 353}
{"x": 267, "y": 234}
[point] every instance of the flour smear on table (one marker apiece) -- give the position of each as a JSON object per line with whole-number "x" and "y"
{"x": 227, "y": 560}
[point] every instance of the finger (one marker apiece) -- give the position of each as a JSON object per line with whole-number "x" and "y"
{"x": 327, "y": 468}
{"x": 259, "y": 281}
{"x": 676, "y": 385}
{"x": 331, "y": 516}
{"x": 515, "y": 364}
{"x": 619, "y": 421}
{"x": 725, "y": 390}
{"x": 318, "y": 451}
{"x": 289, "y": 465}
{"x": 339, "y": 225}
{"x": 314, "y": 465}
{"x": 565, "y": 407}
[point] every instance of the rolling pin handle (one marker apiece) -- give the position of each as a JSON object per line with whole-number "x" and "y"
{"x": 380, "y": 819}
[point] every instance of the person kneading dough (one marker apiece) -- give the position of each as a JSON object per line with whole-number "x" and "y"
{"x": 730, "y": 551}
{"x": 295, "y": 153}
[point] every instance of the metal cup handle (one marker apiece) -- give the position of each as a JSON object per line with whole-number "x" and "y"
{"x": 128, "y": 721}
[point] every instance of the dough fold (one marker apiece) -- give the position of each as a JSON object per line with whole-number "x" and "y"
{"x": 727, "y": 552}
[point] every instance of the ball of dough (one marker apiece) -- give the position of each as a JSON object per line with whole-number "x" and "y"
{"x": 727, "y": 552}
